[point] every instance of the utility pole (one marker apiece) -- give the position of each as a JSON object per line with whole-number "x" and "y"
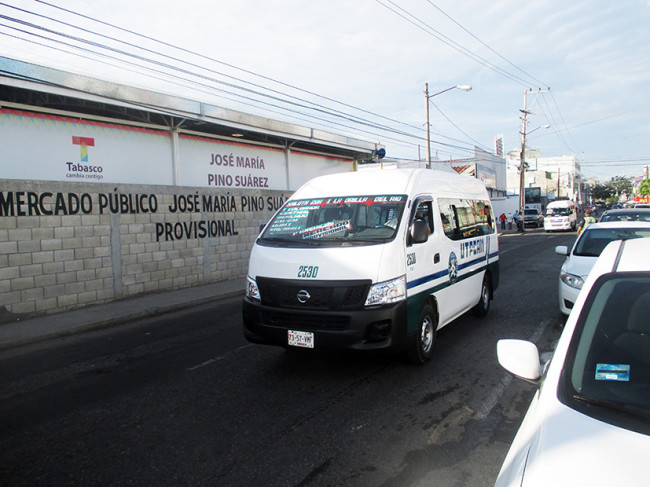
{"x": 426, "y": 101}
{"x": 522, "y": 157}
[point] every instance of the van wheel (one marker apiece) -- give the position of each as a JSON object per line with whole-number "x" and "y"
{"x": 421, "y": 349}
{"x": 483, "y": 306}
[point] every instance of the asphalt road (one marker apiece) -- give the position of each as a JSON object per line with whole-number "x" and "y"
{"x": 183, "y": 399}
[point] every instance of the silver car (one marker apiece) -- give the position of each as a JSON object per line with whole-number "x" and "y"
{"x": 585, "y": 251}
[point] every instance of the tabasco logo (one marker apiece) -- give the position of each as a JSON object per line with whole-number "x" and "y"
{"x": 84, "y": 142}
{"x": 84, "y": 169}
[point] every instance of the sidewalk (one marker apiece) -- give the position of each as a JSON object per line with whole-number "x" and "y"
{"x": 22, "y": 332}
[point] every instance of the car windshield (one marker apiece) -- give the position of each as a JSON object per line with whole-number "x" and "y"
{"x": 626, "y": 216}
{"x": 350, "y": 220}
{"x": 593, "y": 240}
{"x": 607, "y": 373}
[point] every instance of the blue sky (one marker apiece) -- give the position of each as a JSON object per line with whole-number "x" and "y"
{"x": 377, "y": 55}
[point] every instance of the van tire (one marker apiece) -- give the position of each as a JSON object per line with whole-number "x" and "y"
{"x": 421, "y": 349}
{"x": 483, "y": 306}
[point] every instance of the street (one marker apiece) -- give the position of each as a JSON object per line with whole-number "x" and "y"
{"x": 184, "y": 399}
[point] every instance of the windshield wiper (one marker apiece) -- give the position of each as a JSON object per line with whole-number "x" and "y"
{"x": 615, "y": 405}
{"x": 291, "y": 241}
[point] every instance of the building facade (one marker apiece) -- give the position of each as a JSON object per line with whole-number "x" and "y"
{"x": 557, "y": 177}
{"x": 108, "y": 191}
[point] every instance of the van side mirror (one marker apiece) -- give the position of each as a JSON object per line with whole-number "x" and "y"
{"x": 419, "y": 231}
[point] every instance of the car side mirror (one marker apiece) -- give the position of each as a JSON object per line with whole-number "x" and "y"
{"x": 419, "y": 231}
{"x": 521, "y": 358}
{"x": 562, "y": 250}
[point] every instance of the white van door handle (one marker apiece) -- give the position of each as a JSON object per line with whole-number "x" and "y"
{"x": 436, "y": 258}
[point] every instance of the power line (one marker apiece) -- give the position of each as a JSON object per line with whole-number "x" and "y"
{"x": 352, "y": 118}
{"x": 420, "y": 24}
{"x": 484, "y": 44}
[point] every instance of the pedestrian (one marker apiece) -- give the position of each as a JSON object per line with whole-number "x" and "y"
{"x": 502, "y": 219}
{"x": 520, "y": 222}
{"x": 515, "y": 219}
{"x": 509, "y": 221}
{"x": 588, "y": 220}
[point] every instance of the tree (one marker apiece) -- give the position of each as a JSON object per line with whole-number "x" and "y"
{"x": 600, "y": 192}
{"x": 620, "y": 185}
{"x": 644, "y": 188}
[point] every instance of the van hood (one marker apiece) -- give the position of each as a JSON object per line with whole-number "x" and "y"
{"x": 327, "y": 263}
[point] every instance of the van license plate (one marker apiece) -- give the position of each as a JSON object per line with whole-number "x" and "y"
{"x": 304, "y": 339}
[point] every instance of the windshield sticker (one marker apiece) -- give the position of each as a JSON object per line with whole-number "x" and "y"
{"x": 324, "y": 230}
{"x": 616, "y": 372}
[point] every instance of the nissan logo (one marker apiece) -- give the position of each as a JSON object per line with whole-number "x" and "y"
{"x": 303, "y": 296}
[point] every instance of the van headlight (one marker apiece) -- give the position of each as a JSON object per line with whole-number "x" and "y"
{"x": 252, "y": 291}
{"x": 571, "y": 280}
{"x": 387, "y": 292}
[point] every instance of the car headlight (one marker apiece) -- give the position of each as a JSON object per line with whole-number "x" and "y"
{"x": 571, "y": 280}
{"x": 252, "y": 291}
{"x": 387, "y": 292}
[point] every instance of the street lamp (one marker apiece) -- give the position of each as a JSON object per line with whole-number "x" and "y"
{"x": 426, "y": 97}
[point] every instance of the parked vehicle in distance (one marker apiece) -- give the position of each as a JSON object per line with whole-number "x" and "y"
{"x": 642, "y": 205}
{"x": 560, "y": 215}
{"x": 594, "y": 394}
{"x": 626, "y": 215}
{"x": 373, "y": 260}
{"x": 586, "y": 249}
{"x": 533, "y": 217}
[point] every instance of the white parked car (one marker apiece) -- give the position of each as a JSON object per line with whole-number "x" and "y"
{"x": 585, "y": 251}
{"x": 589, "y": 422}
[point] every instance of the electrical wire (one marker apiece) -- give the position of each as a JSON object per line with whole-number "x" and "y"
{"x": 168, "y": 66}
{"x": 420, "y": 24}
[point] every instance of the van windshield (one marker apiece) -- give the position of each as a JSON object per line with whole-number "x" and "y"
{"x": 348, "y": 220}
{"x": 563, "y": 211}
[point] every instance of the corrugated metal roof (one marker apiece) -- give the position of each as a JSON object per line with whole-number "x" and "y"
{"x": 51, "y": 89}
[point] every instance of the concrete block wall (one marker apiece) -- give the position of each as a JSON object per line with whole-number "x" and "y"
{"x": 69, "y": 245}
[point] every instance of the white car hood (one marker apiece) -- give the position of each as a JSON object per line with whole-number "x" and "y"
{"x": 579, "y": 265}
{"x": 570, "y": 448}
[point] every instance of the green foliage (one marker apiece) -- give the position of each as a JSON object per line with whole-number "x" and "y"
{"x": 644, "y": 188}
{"x": 620, "y": 185}
{"x": 601, "y": 192}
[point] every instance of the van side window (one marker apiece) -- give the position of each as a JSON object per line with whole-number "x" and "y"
{"x": 424, "y": 211}
{"x": 463, "y": 218}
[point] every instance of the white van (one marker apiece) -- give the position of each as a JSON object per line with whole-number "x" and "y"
{"x": 560, "y": 215}
{"x": 373, "y": 260}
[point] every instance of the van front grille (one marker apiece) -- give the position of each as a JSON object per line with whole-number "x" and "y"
{"x": 305, "y": 321}
{"x": 313, "y": 295}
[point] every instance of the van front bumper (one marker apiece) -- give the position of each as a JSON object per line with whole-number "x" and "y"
{"x": 377, "y": 328}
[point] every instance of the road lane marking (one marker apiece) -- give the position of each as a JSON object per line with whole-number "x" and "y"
{"x": 216, "y": 359}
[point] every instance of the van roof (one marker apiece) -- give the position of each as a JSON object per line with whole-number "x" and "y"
{"x": 560, "y": 203}
{"x": 392, "y": 181}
